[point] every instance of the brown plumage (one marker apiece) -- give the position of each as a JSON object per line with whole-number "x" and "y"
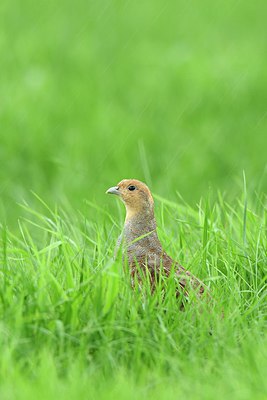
{"x": 140, "y": 239}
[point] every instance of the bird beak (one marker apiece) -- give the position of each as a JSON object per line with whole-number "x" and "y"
{"x": 113, "y": 190}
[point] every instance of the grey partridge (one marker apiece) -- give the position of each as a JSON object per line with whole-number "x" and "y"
{"x": 142, "y": 246}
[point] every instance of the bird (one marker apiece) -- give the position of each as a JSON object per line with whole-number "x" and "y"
{"x": 143, "y": 249}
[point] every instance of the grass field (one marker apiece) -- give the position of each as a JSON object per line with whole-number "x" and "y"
{"x": 170, "y": 93}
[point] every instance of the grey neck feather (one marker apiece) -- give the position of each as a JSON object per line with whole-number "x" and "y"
{"x": 139, "y": 234}
{"x": 138, "y": 226}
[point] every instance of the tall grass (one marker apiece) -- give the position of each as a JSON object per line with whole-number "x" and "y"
{"x": 71, "y": 326}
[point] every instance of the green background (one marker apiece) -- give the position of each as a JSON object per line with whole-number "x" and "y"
{"x": 170, "y": 92}
{"x": 173, "y": 93}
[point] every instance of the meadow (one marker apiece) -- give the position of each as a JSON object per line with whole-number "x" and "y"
{"x": 173, "y": 94}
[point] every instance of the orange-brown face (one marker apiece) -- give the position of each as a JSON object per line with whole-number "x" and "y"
{"x": 134, "y": 194}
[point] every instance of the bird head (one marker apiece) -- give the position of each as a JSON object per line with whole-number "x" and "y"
{"x": 135, "y": 195}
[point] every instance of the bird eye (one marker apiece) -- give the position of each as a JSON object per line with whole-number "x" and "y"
{"x": 131, "y": 187}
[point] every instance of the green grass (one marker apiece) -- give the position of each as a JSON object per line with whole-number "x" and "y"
{"x": 171, "y": 93}
{"x": 72, "y": 326}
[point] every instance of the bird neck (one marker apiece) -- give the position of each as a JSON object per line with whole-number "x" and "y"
{"x": 140, "y": 216}
{"x": 140, "y": 223}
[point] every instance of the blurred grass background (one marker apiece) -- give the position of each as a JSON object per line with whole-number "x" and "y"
{"x": 173, "y": 93}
